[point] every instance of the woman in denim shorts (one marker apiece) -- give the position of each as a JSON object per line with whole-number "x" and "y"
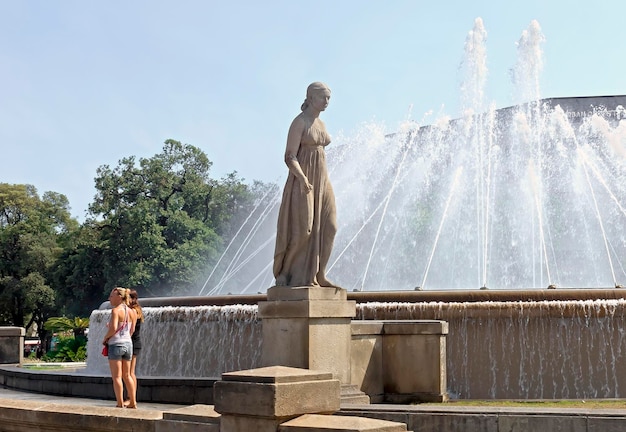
{"x": 120, "y": 328}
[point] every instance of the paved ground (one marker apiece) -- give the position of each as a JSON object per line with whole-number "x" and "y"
{"x": 28, "y": 396}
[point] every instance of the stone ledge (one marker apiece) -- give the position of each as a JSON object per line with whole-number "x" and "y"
{"x": 449, "y": 418}
{"x": 417, "y": 327}
{"x": 276, "y": 375}
{"x": 194, "y": 413}
{"x": 335, "y": 423}
{"x": 277, "y": 400}
{"x": 283, "y": 293}
{"x": 12, "y": 331}
{"x": 74, "y": 383}
{"x": 307, "y": 309}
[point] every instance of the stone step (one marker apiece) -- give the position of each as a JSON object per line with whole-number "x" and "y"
{"x": 352, "y": 395}
{"x": 336, "y": 423}
{"x": 194, "y": 418}
{"x": 186, "y": 426}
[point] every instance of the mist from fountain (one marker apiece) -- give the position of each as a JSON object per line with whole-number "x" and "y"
{"x": 539, "y": 202}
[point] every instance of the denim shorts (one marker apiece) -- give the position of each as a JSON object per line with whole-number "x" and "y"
{"x": 121, "y": 351}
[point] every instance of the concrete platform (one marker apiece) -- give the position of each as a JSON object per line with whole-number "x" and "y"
{"x": 454, "y": 418}
{"x": 20, "y": 410}
{"x": 76, "y": 382}
{"x": 26, "y": 411}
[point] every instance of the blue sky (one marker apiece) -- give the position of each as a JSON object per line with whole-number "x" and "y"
{"x": 84, "y": 84}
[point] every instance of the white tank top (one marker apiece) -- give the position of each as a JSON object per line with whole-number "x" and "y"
{"x": 123, "y": 331}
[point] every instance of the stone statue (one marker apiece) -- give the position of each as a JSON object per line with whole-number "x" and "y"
{"x": 307, "y": 219}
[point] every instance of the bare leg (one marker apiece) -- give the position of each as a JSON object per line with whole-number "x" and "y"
{"x": 130, "y": 384}
{"x": 118, "y": 385}
{"x": 133, "y": 365}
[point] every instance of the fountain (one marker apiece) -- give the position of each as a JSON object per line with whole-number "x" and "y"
{"x": 528, "y": 196}
{"x": 479, "y": 221}
{"x": 516, "y": 201}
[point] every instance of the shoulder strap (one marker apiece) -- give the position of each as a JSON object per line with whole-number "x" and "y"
{"x": 123, "y": 324}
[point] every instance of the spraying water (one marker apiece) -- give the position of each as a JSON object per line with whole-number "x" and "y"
{"x": 540, "y": 201}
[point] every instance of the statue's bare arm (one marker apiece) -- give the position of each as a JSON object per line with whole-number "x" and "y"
{"x": 291, "y": 154}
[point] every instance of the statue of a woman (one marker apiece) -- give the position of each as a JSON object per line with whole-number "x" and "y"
{"x": 307, "y": 220}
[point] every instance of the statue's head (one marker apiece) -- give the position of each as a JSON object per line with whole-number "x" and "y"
{"x": 313, "y": 89}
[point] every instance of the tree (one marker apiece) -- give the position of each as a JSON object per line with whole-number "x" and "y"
{"x": 77, "y": 326}
{"x": 159, "y": 220}
{"x": 78, "y": 277}
{"x": 32, "y": 233}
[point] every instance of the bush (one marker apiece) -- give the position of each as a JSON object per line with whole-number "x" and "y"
{"x": 68, "y": 349}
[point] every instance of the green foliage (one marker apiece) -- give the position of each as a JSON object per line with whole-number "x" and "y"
{"x": 68, "y": 349}
{"x": 156, "y": 224}
{"x": 33, "y": 231}
{"x": 77, "y": 326}
{"x": 78, "y": 277}
{"x": 159, "y": 220}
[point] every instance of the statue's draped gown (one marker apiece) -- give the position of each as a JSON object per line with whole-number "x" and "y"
{"x": 306, "y": 222}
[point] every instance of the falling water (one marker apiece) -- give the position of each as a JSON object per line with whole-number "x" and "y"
{"x": 201, "y": 341}
{"x": 526, "y": 350}
{"x": 570, "y": 349}
{"x": 524, "y": 215}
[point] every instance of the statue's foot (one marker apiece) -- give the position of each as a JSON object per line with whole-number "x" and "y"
{"x": 323, "y": 282}
{"x": 281, "y": 280}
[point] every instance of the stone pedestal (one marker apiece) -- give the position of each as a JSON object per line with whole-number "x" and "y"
{"x": 308, "y": 327}
{"x": 400, "y": 361}
{"x": 279, "y": 398}
{"x": 12, "y": 345}
{"x": 414, "y": 358}
{"x": 261, "y": 399}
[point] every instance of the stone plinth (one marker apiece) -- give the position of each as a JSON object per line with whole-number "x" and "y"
{"x": 261, "y": 399}
{"x": 308, "y": 327}
{"x": 400, "y": 361}
{"x": 12, "y": 345}
{"x": 366, "y": 364}
{"x": 414, "y": 358}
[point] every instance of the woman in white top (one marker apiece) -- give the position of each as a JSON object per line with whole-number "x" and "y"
{"x": 120, "y": 328}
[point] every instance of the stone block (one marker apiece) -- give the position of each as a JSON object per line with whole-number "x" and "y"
{"x": 319, "y": 344}
{"x": 277, "y": 391}
{"x": 414, "y": 361}
{"x": 235, "y": 423}
{"x": 309, "y": 330}
{"x": 307, "y": 309}
{"x": 352, "y": 395}
{"x": 420, "y": 327}
{"x": 194, "y": 413}
{"x": 12, "y": 345}
{"x": 450, "y": 422}
{"x": 319, "y": 423}
{"x": 400, "y": 361}
{"x": 185, "y": 426}
{"x": 366, "y": 364}
{"x": 552, "y": 423}
{"x": 606, "y": 424}
{"x": 305, "y": 293}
